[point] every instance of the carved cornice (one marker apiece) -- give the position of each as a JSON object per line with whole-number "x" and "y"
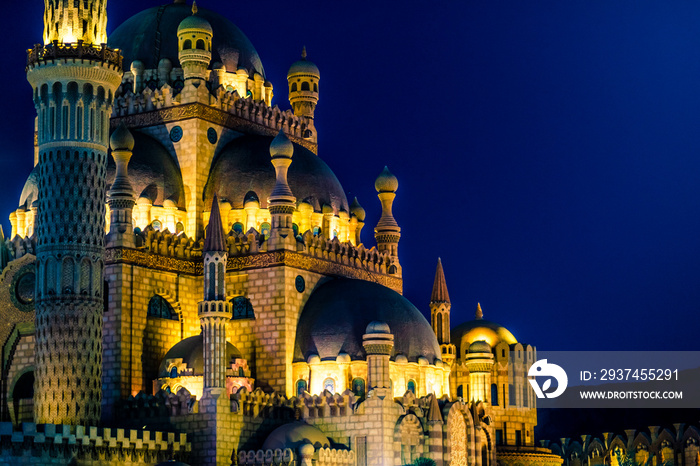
{"x": 204, "y": 112}
{"x": 252, "y": 261}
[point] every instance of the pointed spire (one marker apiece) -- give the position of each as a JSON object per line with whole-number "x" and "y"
{"x": 303, "y": 53}
{"x": 215, "y": 239}
{"x": 440, "y": 294}
{"x": 479, "y": 312}
{"x": 194, "y": 8}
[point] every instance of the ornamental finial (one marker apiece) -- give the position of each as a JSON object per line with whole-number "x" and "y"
{"x": 194, "y": 8}
{"x": 479, "y": 312}
{"x": 303, "y": 53}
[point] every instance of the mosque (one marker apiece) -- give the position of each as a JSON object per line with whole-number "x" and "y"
{"x": 186, "y": 280}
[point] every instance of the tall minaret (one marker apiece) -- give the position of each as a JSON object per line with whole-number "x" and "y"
{"x": 302, "y": 78}
{"x": 440, "y": 315}
{"x": 73, "y": 98}
{"x": 387, "y": 232}
{"x": 214, "y": 310}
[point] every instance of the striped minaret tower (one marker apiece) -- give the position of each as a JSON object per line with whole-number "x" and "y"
{"x": 73, "y": 77}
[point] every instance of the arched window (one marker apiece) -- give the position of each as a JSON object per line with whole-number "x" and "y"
{"x": 334, "y": 234}
{"x": 294, "y": 87}
{"x": 265, "y": 229}
{"x": 358, "y": 387}
{"x": 23, "y": 398}
{"x": 156, "y": 225}
{"x": 525, "y": 385}
{"x": 295, "y": 229}
{"x": 238, "y": 227}
{"x": 329, "y": 384}
{"x": 411, "y": 386}
{"x": 187, "y": 45}
{"x": 242, "y": 308}
{"x": 179, "y": 227}
{"x": 159, "y": 307}
{"x": 494, "y": 394}
{"x": 200, "y": 45}
{"x": 317, "y": 231}
{"x": 301, "y": 387}
{"x": 460, "y": 391}
{"x": 173, "y": 372}
{"x": 315, "y": 87}
{"x": 305, "y": 86}
{"x": 438, "y": 325}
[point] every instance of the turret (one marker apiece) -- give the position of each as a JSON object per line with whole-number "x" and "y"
{"x": 303, "y": 77}
{"x": 440, "y": 315}
{"x": 194, "y": 36}
{"x": 120, "y": 196}
{"x": 282, "y": 202}
{"x": 357, "y": 222}
{"x": 387, "y": 232}
{"x": 73, "y": 98}
{"x": 378, "y": 343}
{"x": 479, "y": 362}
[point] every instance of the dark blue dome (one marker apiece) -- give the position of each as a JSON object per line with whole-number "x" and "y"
{"x": 244, "y": 165}
{"x": 337, "y": 314}
{"x": 137, "y": 39}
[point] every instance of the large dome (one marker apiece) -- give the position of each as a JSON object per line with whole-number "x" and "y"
{"x": 337, "y": 313}
{"x": 152, "y": 172}
{"x": 244, "y": 165}
{"x": 151, "y": 35}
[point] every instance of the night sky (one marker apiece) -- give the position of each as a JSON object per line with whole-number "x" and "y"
{"x": 548, "y": 151}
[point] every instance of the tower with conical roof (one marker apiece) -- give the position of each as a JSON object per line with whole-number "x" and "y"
{"x": 73, "y": 99}
{"x": 440, "y": 306}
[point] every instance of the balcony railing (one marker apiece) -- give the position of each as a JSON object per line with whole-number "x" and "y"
{"x": 57, "y": 51}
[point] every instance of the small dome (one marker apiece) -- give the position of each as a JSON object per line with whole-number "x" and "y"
{"x": 386, "y": 182}
{"x": 480, "y": 330}
{"x": 294, "y": 435}
{"x": 30, "y": 192}
{"x": 121, "y": 138}
{"x": 194, "y": 23}
{"x": 357, "y": 210}
{"x": 249, "y": 197}
{"x": 377, "y": 327}
{"x": 479, "y": 347}
{"x": 337, "y": 315}
{"x": 281, "y": 146}
{"x": 191, "y": 351}
{"x": 303, "y": 67}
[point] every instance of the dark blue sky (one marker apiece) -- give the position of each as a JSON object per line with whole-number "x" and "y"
{"x": 548, "y": 151}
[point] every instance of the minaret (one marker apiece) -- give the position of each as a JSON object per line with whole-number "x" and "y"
{"x": 303, "y": 77}
{"x": 440, "y": 315}
{"x": 214, "y": 310}
{"x": 282, "y": 202}
{"x": 73, "y": 98}
{"x": 120, "y": 196}
{"x": 387, "y": 232}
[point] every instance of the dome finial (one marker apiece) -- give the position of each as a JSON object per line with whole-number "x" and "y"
{"x": 303, "y": 53}
{"x": 194, "y": 7}
{"x": 479, "y": 312}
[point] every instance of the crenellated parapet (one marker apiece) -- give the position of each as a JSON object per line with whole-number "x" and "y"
{"x": 226, "y": 108}
{"x": 260, "y": 404}
{"x": 65, "y": 444}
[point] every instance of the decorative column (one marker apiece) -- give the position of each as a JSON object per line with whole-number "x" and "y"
{"x": 214, "y": 310}
{"x": 120, "y": 197}
{"x": 282, "y": 202}
{"x": 387, "y": 232}
{"x": 72, "y": 146}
